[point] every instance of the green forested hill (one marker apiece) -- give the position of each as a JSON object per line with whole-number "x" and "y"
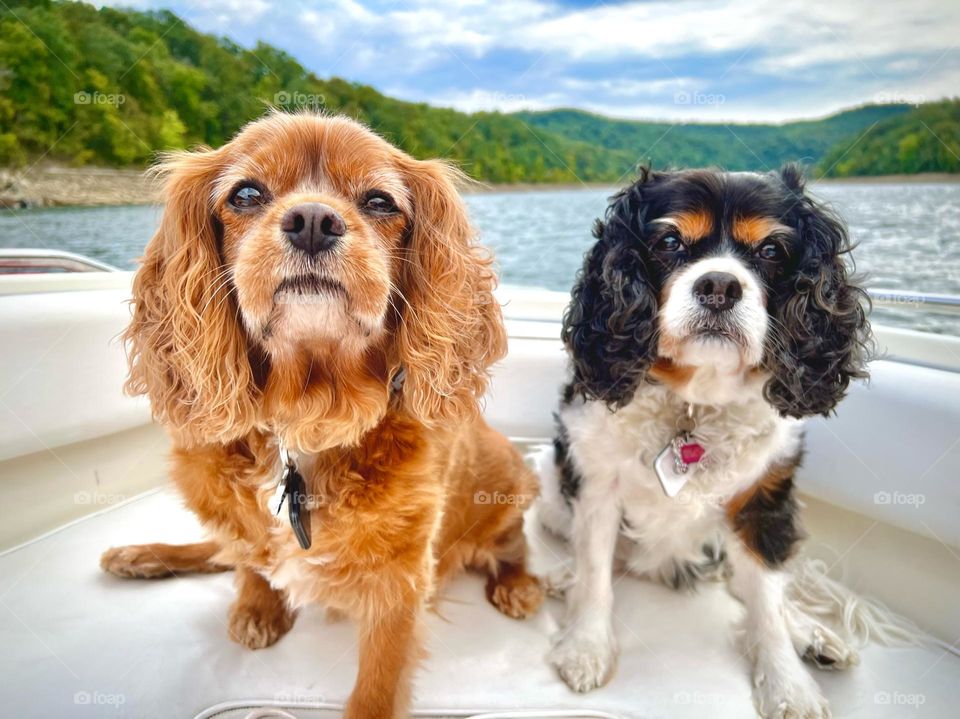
{"x": 112, "y": 87}
{"x": 926, "y": 139}
{"x": 733, "y": 146}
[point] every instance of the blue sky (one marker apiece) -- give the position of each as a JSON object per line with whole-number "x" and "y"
{"x": 678, "y": 60}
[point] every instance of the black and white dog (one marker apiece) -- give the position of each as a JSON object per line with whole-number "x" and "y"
{"x": 714, "y": 312}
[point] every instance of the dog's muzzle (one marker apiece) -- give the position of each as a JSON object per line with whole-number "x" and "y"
{"x": 717, "y": 291}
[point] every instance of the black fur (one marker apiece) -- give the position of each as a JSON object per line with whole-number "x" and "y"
{"x": 818, "y": 337}
{"x": 570, "y": 478}
{"x": 769, "y": 523}
{"x": 819, "y": 340}
{"x": 687, "y": 575}
{"x": 609, "y": 326}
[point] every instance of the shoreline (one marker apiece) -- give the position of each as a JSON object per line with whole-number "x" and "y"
{"x": 58, "y": 186}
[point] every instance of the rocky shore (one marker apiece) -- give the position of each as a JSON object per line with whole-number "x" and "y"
{"x": 54, "y": 185}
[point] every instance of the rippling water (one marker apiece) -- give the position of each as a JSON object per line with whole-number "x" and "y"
{"x": 908, "y": 234}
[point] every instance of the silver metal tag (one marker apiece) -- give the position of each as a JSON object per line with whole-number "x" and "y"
{"x": 671, "y": 473}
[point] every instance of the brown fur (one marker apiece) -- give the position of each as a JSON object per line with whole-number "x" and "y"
{"x": 670, "y": 373}
{"x": 765, "y": 515}
{"x": 396, "y": 481}
{"x": 754, "y": 230}
{"x": 260, "y": 615}
{"x": 693, "y": 225}
{"x": 149, "y": 561}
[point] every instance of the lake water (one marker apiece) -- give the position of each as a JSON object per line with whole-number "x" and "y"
{"x": 908, "y": 234}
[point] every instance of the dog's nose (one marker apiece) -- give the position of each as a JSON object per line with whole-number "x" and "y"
{"x": 717, "y": 291}
{"x": 313, "y": 227}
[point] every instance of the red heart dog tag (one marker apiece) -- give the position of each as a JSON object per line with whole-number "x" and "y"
{"x": 691, "y": 452}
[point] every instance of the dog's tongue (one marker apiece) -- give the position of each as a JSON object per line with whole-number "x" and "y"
{"x": 691, "y": 453}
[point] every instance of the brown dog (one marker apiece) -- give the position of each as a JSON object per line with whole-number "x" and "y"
{"x": 313, "y": 287}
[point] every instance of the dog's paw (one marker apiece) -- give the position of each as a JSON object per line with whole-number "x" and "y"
{"x": 137, "y": 561}
{"x": 558, "y": 580}
{"x": 818, "y": 644}
{"x": 516, "y": 595}
{"x": 788, "y": 695}
{"x": 828, "y": 651}
{"x": 584, "y": 663}
{"x": 259, "y": 624}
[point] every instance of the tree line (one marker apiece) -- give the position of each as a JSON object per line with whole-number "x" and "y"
{"x": 113, "y": 87}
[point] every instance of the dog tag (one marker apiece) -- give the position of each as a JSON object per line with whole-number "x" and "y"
{"x": 293, "y": 490}
{"x": 672, "y": 465}
{"x": 296, "y": 493}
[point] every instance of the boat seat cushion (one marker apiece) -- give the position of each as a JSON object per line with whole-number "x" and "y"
{"x": 79, "y": 643}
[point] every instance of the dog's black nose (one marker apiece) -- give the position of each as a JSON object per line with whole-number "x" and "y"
{"x": 717, "y": 291}
{"x": 313, "y": 227}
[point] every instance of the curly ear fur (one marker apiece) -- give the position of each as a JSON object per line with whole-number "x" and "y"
{"x": 610, "y": 324}
{"x": 821, "y": 339}
{"x": 450, "y": 328}
{"x": 185, "y": 346}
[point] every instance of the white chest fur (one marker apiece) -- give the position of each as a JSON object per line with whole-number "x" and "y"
{"x": 614, "y": 453}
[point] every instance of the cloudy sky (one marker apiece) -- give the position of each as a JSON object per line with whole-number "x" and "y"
{"x": 680, "y": 59}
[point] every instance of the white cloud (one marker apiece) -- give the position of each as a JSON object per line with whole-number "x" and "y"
{"x": 232, "y": 12}
{"x": 768, "y": 58}
{"x": 477, "y": 100}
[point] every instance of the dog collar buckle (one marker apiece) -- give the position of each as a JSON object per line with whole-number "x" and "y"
{"x": 396, "y": 382}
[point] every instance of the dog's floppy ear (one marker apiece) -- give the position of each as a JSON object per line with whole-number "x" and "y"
{"x": 450, "y": 327}
{"x": 610, "y": 324}
{"x": 185, "y": 346}
{"x": 821, "y": 339}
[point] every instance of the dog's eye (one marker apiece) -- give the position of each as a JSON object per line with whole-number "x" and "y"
{"x": 771, "y": 252}
{"x": 247, "y": 196}
{"x": 670, "y": 243}
{"x": 379, "y": 203}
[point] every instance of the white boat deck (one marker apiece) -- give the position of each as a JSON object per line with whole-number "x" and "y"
{"x": 879, "y": 480}
{"x": 80, "y": 643}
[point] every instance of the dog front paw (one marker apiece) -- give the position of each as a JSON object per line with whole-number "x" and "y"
{"x": 829, "y": 651}
{"x": 788, "y": 695}
{"x": 584, "y": 662}
{"x": 517, "y": 595}
{"x": 816, "y": 643}
{"x": 260, "y": 624}
{"x": 136, "y": 561}
{"x": 558, "y": 580}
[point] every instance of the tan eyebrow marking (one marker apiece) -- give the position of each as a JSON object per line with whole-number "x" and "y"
{"x": 754, "y": 230}
{"x": 692, "y": 226}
